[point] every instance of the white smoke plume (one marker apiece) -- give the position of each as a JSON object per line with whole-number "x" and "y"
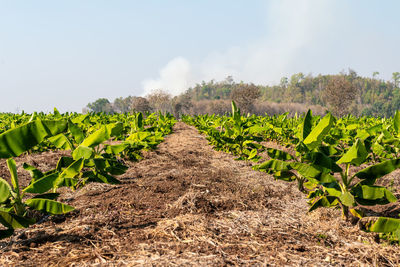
{"x": 175, "y": 78}
{"x": 289, "y": 27}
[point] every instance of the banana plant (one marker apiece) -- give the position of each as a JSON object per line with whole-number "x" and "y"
{"x": 89, "y": 154}
{"x": 316, "y": 165}
{"x": 388, "y": 228}
{"x": 230, "y": 134}
{"x": 310, "y": 163}
{"x": 14, "y": 205}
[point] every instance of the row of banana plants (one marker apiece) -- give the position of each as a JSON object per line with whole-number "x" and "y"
{"x": 324, "y": 151}
{"x": 98, "y": 145}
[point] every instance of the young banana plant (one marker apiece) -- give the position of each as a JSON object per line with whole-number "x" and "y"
{"x": 319, "y": 172}
{"x": 14, "y": 206}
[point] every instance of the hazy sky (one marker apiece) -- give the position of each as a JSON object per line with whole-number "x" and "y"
{"x": 68, "y": 53}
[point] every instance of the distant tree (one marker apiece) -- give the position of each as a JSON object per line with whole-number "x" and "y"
{"x": 101, "y": 105}
{"x": 122, "y": 105}
{"x": 375, "y": 74}
{"x": 140, "y": 104}
{"x": 284, "y": 82}
{"x": 245, "y": 95}
{"x": 339, "y": 94}
{"x": 181, "y": 105}
{"x": 396, "y": 78}
{"x": 160, "y": 100}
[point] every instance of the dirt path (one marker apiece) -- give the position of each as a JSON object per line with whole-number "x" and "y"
{"x": 186, "y": 204}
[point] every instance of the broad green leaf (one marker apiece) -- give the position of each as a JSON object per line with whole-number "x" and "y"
{"x": 356, "y": 155}
{"x": 64, "y": 162}
{"x": 61, "y": 141}
{"x": 18, "y": 140}
{"x": 64, "y": 179}
{"x": 80, "y": 118}
{"x": 314, "y": 139}
{"x": 396, "y": 122}
{"x": 320, "y": 159}
{"x": 362, "y": 135}
{"x": 306, "y": 125}
{"x": 116, "y": 149}
{"x": 35, "y": 173}
{"x": 96, "y": 138}
{"x": 140, "y": 120}
{"x": 11, "y": 220}
{"x": 385, "y": 225}
{"x": 103, "y": 178}
{"x": 285, "y": 175}
{"x": 377, "y": 148}
{"x": 252, "y": 153}
{"x": 76, "y": 132}
{"x": 324, "y": 202}
{"x": 378, "y": 170}
{"x": 274, "y": 165}
{"x": 333, "y": 189}
{"x": 5, "y": 190}
{"x": 347, "y": 199}
{"x": 352, "y": 126}
{"x": 315, "y": 172}
{"x": 42, "y": 185}
{"x": 56, "y": 112}
{"x": 257, "y": 129}
{"x": 82, "y": 152}
{"x": 138, "y": 136}
{"x": 328, "y": 150}
{"x": 279, "y": 154}
{"x": 67, "y": 182}
{"x": 54, "y": 127}
{"x": 374, "y": 193}
{"x": 48, "y": 205}
{"x": 115, "y": 129}
{"x": 14, "y": 176}
{"x": 373, "y": 130}
{"x": 73, "y": 169}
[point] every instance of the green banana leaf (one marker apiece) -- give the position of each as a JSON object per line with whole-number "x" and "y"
{"x": 48, "y": 205}
{"x": 279, "y": 154}
{"x": 61, "y": 141}
{"x": 320, "y": 159}
{"x": 82, "y": 152}
{"x": 378, "y": 170}
{"x": 314, "y": 172}
{"x": 12, "y": 167}
{"x": 18, "y": 140}
{"x": 396, "y": 122}
{"x": 96, "y": 138}
{"x": 34, "y": 172}
{"x": 324, "y": 201}
{"x": 11, "y": 220}
{"x": 385, "y": 225}
{"x": 5, "y": 190}
{"x": 356, "y": 155}
{"x": 314, "y": 138}
{"x": 306, "y": 125}
{"x": 42, "y": 185}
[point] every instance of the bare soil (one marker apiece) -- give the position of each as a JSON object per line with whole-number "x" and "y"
{"x": 186, "y": 204}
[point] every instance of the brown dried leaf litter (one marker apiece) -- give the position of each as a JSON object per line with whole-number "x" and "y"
{"x": 186, "y": 204}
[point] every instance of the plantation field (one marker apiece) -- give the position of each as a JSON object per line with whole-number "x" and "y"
{"x": 185, "y": 203}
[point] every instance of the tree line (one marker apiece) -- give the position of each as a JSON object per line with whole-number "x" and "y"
{"x": 343, "y": 93}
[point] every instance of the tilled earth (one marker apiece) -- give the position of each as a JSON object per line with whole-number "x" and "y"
{"x": 186, "y": 204}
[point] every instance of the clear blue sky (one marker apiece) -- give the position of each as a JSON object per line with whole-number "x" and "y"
{"x": 69, "y": 53}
